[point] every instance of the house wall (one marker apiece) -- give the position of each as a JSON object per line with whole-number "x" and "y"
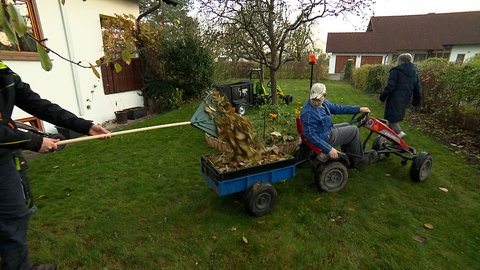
{"x": 469, "y": 50}
{"x": 73, "y": 31}
{"x": 332, "y": 75}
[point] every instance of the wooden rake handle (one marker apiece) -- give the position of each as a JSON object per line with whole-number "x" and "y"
{"x": 101, "y": 136}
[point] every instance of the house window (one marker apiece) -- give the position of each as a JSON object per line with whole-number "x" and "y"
{"x": 129, "y": 79}
{"x": 419, "y": 57}
{"x": 27, "y": 48}
{"x": 460, "y": 58}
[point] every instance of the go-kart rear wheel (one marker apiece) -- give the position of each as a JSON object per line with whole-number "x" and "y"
{"x": 421, "y": 167}
{"x": 331, "y": 177}
{"x": 260, "y": 199}
{"x": 241, "y": 109}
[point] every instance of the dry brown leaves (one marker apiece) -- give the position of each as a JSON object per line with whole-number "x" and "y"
{"x": 242, "y": 148}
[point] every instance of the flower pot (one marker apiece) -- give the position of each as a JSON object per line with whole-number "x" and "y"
{"x": 288, "y": 147}
{"x": 121, "y": 117}
{"x": 137, "y": 112}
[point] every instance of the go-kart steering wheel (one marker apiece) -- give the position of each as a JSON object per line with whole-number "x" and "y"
{"x": 360, "y": 120}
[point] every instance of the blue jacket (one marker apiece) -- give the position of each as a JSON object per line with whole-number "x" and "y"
{"x": 403, "y": 83}
{"x": 317, "y": 122}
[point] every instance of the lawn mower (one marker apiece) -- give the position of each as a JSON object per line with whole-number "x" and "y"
{"x": 262, "y": 92}
{"x": 331, "y": 175}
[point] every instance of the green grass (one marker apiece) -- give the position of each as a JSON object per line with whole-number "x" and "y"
{"x": 138, "y": 201}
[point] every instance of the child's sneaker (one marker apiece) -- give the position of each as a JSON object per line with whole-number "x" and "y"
{"x": 402, "y": 134}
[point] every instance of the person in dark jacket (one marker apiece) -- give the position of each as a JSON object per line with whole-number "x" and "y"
{"x": 403, "y": 87}
{"x": 318, "y": 128}
{"x": 14, "y": 213}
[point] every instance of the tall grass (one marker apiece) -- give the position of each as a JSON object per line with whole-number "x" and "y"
{"x": 138, "y": 201}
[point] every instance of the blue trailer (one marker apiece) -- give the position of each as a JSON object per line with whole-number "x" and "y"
{"x": 256, "y": 182}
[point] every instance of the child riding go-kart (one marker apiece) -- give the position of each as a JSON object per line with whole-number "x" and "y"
{"x": 332, "y": 175}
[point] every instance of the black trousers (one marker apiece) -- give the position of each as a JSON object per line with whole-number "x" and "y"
{"x": 14, "y": 217}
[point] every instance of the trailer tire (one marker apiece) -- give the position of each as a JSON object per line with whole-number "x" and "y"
{"x": 260, "y": 199}
{"x": 421, "y": 167}
{"x": 331, "y": 177}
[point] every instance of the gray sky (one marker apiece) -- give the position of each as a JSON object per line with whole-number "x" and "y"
{"x": 390, "y": 8}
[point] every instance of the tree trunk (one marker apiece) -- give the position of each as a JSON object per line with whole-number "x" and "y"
{"x": 273, "y": 80}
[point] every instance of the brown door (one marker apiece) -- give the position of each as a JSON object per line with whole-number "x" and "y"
{"x": 341, "y": 62}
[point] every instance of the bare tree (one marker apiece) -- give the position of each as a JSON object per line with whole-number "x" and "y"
{"x": 258, "y": 30}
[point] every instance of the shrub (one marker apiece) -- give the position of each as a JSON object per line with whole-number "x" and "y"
{"x": 348, "y": 70}
{"x": 189, "y": 65}
{"x": 360, "y": 76}
{"x": 377, "y": 78}
{"x": 161, "y": 94}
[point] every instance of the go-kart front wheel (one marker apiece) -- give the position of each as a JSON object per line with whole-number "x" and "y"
{"x": 331, "y": 177}
{"x": 421, "y": 167}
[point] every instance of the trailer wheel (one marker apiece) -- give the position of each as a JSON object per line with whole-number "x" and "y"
{"x": 331, "y": 177}
{"x": 421, "y": 167}
{"x": 241, "y": 109}
{"x": 260, "y": 199}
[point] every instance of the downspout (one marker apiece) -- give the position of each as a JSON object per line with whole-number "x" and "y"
{"x": 76, "y": 81}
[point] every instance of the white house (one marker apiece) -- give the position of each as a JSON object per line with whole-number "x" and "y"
{"x": 73, "y": 31}
{"x": 454, "y": 36}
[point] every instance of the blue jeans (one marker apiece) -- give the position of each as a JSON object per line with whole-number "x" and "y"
{"x": 14, "y": 216}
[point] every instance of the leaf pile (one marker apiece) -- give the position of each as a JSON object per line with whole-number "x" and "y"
{"x": 242, "y": 148}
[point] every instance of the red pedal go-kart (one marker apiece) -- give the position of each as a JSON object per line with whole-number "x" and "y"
{"x": 332, "y": 175}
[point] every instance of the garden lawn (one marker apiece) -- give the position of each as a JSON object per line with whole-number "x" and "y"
{"x": 138, "y": 201}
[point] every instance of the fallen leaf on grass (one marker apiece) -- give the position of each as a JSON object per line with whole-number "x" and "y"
{"x": 419, "y": 239}
{"x": 428, "y": 226}
{"x": 233, "y": 229}
{"x": 245, "y": 240}
{"x": 387, "y": 174}
{"x": 443, "y": 189}
{"x": 42, "y": 196}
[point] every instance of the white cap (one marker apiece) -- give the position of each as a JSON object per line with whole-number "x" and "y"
{"x": 318, "y": 90}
